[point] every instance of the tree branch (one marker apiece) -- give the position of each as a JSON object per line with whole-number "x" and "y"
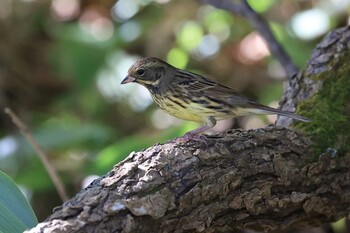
{"x": 56, "y": 180}
{"x": 262, "y": 179}
{"x": 258, "y": 179}
{"x": 260, "y": 24}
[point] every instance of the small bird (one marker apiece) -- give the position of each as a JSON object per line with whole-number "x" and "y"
{"x": 192, "y": 97}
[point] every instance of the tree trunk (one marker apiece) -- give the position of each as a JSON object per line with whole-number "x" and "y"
{"x": 263, "y": 179}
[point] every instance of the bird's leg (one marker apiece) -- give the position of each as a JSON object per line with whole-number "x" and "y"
{"x": 194, "y": 133}
{"x": 211, "y": 122}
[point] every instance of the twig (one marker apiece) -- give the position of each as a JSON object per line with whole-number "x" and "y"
{"x": 43, "y": 157}
{"x": 260, "y": 24}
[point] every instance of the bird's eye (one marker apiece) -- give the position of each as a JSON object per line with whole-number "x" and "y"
{"x": 140, "y": 72}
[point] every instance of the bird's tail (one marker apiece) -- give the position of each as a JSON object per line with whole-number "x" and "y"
{"x": 267, "y": 110}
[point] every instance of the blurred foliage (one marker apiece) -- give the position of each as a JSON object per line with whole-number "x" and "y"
{"x": 61, "y": 63}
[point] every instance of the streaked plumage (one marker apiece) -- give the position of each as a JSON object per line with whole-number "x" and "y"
{"x": 192, "y": 97}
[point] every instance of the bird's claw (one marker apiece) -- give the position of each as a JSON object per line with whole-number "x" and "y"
{"x": 188, "y": 137}
{"x": 185, "y": 138}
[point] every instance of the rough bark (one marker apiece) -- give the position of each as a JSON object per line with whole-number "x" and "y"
{"x": 264, "y": 179}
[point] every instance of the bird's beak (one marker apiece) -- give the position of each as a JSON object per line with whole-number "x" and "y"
{"x": 128, "y": 79}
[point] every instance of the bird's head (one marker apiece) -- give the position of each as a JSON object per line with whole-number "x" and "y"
{"x": 149, "y": 72}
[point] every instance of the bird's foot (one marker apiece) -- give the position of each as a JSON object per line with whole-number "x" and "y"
{"x": 186, "y": 137}
{"x": 191, "y": 135}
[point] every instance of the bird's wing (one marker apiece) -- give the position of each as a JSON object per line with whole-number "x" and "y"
{"x": 215, "y": 94}
{"x": 198, "y": 85}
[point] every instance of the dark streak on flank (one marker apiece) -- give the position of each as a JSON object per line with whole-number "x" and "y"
{"x": 219, "y": 109}
{"x": 199, "y": 101}
{"x": 176, "y": 102}
{"x": 179, "y": 95}
{"x": 184, "y": 98}
{"x": 225, "y": 111}
{"x": 214, "y": 107}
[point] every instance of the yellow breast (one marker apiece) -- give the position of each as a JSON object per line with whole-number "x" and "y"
{"x": 177, "y": 108}
{"x": 188, "y": 111}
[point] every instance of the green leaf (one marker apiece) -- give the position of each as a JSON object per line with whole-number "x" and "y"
{"x": 16, "y": 214}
